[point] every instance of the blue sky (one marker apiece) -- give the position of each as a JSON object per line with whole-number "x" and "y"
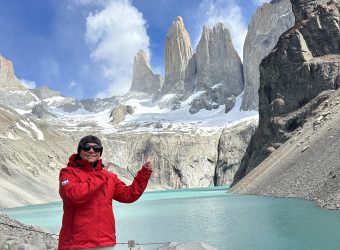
{"x": 85, "y": 48}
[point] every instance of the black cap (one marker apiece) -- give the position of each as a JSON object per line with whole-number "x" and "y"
{"x": 89, "y": 139}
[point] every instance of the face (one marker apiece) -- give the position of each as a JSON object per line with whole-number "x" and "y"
{"x": 90, "y": 155}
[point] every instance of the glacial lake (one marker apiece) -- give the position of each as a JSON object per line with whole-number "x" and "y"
{"x": 211, "y": 215}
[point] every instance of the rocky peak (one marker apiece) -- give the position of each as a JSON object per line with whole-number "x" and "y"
{"x": 8, "y": 79}
{"x": 144, "y": 80}
{"x": 264, "y": 30}
{"x": 219, "y": 68}
{"x": 45, "y": 92}
{"x": 178, "y": 52}
{"x": 299, "y": 74}
{"x": 217, "y": 60}
{"x": 303, "y": 9}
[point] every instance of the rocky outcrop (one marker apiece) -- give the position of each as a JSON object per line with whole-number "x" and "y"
{"x": 219, "y": 68}
{"x": 178, "y": 52}
{"x": 8, "y": 80}
{"x": 307, "y": 165}
{"x": 266, "y": 26}
{"x": 231, "y": 148}
{"x": 42, "y": 111}
{"x": 229, "y": 103}
{"x": 144, "y": 80}
{"x": 12, "y": 92}
{"x": 118, "y": 113}
{"x": 183, "y": 160}
{"x": 294, "y": 77}
{"x": 98, "y": 104}
{"x": 45, "y": 92}
{"x": 27, "y": 237}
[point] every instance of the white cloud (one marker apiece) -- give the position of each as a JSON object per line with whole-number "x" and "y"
{"x": 115, "y": 34}
{"x": 260, "y": 2}
{"x": 230, "y": 14}
{"x": 28, "y": 84}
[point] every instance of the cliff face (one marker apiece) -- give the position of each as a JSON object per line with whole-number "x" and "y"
{"x": 219, "y": 68}
{"x": 231, "y": 148}
{"x": 266, "y": 26}
{"x": 214, "y": 71}
{"x": 178, "y": 52}
{"x": 144, "y": 80}
{"x": 304, "y": 64}
{"x": 8, "y": 79}
{"x": 12, "y": 92}
{"x": 307, "y": 165}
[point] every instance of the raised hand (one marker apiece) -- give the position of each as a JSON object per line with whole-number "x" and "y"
{"x": 147, "y": 162}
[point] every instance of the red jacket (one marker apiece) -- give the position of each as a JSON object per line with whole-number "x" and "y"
{"x": 87, "y": 194}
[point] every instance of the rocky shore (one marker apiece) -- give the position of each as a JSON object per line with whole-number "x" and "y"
{"x": 17, "y": 236}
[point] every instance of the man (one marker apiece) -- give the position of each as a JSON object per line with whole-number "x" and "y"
{"x": 87, "y": 190}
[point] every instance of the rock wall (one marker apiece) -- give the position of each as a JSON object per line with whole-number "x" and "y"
{"x": 182, "y": 160}
{"x": 305, "y": 62}
{"x": 218, "y": 62}
{"x": 12, "y": 92}
{"x": 305, "y": 166}
{"x": 266, "y": 26}
{"x": 144, "y": 80}
{"x": 177, "y": 54}
{"x": 219, "y": 68}
{"x": 8, "y": 79}
{"x": 231, "y": 148}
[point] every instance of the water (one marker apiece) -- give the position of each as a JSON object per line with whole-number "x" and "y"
{"x": 223, "y": 220}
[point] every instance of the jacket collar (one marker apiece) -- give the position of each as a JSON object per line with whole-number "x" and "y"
{"x": 75, "y": 161}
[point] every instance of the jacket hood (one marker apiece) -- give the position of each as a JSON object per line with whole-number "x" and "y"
{"x": 77, "y": 162}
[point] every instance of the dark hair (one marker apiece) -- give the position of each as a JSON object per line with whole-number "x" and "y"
{"x": 89, "y": 139}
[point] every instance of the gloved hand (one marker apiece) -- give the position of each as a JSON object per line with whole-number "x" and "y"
{"x": 147, "y": 165}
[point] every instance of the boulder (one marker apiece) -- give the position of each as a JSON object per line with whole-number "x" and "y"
{"x": 118, "y": 113}
{"x": 229, "y": 103}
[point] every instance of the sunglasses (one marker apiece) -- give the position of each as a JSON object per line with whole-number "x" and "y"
{"x": 87, "y": 147}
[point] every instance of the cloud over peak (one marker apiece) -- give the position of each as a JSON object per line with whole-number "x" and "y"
{"x": 115, "y": 34}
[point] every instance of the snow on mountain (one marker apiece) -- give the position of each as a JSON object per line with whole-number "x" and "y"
{"x": 149, "y": 117}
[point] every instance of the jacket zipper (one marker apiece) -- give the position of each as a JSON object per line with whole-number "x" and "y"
{"x": 99, "y": 212}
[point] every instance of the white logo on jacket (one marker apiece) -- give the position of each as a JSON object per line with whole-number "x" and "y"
{"x": 65, "y": 182}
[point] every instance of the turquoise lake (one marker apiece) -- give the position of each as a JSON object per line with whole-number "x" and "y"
{"x": 211, "y": 215}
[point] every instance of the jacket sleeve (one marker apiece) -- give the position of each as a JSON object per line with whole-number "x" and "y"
{"x": 74, "y": 192}
{"x": 129, "y": 194}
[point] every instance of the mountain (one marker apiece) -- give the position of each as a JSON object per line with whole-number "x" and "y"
{"x": 219, "y": 69}
{"x": 12, "y": 91}
{"x": 266, "y": 26}
{"x": 207, "y": 77}
{"x": 144, "y": 80}
{"x": 8, "y": 79}
{"x": 38, "y": 136}
{"x": 177, "y": 54}
{"x": 299, "y": 92}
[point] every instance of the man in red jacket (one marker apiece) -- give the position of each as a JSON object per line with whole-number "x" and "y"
{"x": 87, "y": 190}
